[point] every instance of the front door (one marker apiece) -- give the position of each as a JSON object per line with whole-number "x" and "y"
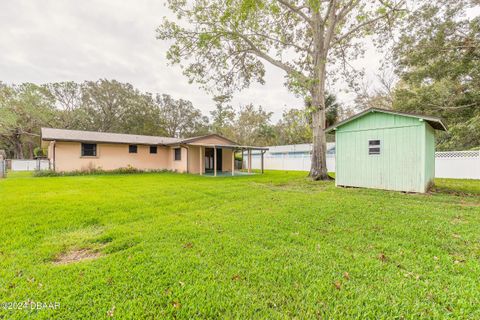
{"x": 209, "y": 159}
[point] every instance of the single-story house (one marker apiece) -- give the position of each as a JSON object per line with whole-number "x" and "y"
{"x": 70, "y": 150}
{"x": 384, "y": 149}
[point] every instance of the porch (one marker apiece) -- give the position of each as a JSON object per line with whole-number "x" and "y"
{"x": 227, "y": 173}
{"x": 219, "y": 160}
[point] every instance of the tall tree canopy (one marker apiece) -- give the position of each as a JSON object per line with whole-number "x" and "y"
{"x": 253, "y": 127}
{"x": 438, "y": 61}
{"x": 103, "y": 105}
{"x": 23, "y": 110}
{"x": 179, "y": 118}
{"x": 224, "y": 45}
{"x": 223, "y": 117}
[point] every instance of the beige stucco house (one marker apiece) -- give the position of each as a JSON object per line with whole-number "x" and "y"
{"x": 70, "y": 150}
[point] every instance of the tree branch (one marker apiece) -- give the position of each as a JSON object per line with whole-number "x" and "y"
{"x": 258, "y": 52}
{"x": 366, "y": 23}
{"x": 297, "y": 10}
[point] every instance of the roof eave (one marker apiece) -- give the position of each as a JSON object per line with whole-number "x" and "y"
{"x": 428, "y": 119}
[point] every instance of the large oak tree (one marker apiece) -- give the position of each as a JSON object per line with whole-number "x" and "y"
{"x": 224, "y": 45}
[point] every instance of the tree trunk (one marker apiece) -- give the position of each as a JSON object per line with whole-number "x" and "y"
{"x": 318, "y": 170}
{"x": 18, "y": 149}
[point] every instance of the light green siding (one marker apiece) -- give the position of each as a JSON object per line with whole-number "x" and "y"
{"x": 405, "y": 148}
{"x": 429, "y": 156}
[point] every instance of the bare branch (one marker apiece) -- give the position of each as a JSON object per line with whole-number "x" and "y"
{"x": 260, "y": 53}
{"x": 367, "y": 23}
{"x": 297, "y": 10}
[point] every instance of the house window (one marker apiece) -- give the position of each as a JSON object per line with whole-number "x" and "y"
{"x": 373, "y": 146}
{"x": 89, "y": 150}
{"x": 132, "y": 148}
{"x": 178, "y": 154}
{"x": 153, "y": 149}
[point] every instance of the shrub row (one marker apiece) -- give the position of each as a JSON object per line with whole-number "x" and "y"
{"x": 127, "y": 170}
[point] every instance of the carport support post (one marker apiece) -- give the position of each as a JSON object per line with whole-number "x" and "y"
{"x": 201, "y": 158}
{"x": 233, "y": 162}
{"x": 249, "y": 160}
{"x": 263, "y": 152}
{"x": 214, "y": 161}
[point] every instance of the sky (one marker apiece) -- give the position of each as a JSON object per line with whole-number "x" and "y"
{"x": 45, "y": 41}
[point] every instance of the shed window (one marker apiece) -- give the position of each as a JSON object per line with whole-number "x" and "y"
{"x": 132, "y": 148}
{"x": 178, "y": 154}
{"x": 89, "y": 150}
{"x": 153, "y": 149}
{"x": 373, "y": 146}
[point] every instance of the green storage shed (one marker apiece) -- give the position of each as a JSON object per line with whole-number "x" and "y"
{"x": 384, "y": 149}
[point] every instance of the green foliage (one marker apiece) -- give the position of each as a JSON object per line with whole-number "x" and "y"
{"x": 23, "y": 110}
{"x": 103, "y": 105}
{"x": 438, "y": 61}
{"x": 270, "y": 246}
{"x": 39, "y": 152}
{"x": 96, "y": 171}
{"x": 253, "y": 127}
{"x": 294, "y": 127}
{"x": 179, "y": 118}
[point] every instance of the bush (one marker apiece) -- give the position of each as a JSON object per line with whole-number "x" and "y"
{"x": 127, "y": 170}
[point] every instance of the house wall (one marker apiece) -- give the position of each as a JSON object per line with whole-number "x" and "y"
{"x": 109, "y": 157}
{"x": 194, "y": 159}
{"x": 177, "y": 165}
{"x": 401, "y": 162}
{"x": 227, "y": 160}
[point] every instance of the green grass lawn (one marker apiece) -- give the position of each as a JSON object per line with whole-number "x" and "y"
{"x": 273, "y": 246}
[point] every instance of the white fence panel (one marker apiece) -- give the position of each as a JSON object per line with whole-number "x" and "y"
{"x": 30, "y": 165}
{"x": 288, "y": 162}
{"x": 452, "y": 164}
{"x": 457, "y": 164}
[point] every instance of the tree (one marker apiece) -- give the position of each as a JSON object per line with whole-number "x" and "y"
{"x": 438, "y": 62}
{"x": 294, "y": 127}
{"x": 252, "y": 126}
{"x": 112, "y": 106}
{"x": 226, "y": 44}
{"x": 68, "y": 101}
{"x": 179, "y": 118}
{"x": 380, "y": 97}
{"x": 222, "y": 117}
{"x": 24, "y": 110}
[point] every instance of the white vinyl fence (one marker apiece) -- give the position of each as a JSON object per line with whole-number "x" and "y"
{"x": 457, "y": 164}
{"x": 30, "y": 165}
{"x": 288, "y": 162}
{"x": 452, "y": 164}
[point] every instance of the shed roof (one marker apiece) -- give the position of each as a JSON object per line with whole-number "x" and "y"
{"x": 50, "y": 134}
{"x": 435, "y": 122}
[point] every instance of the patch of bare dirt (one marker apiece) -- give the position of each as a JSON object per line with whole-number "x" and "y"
{"x": 76, "y": 256}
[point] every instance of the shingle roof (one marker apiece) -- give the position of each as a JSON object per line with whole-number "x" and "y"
{"x": 49, "y": 134}
{"x": 435, "y": 122}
